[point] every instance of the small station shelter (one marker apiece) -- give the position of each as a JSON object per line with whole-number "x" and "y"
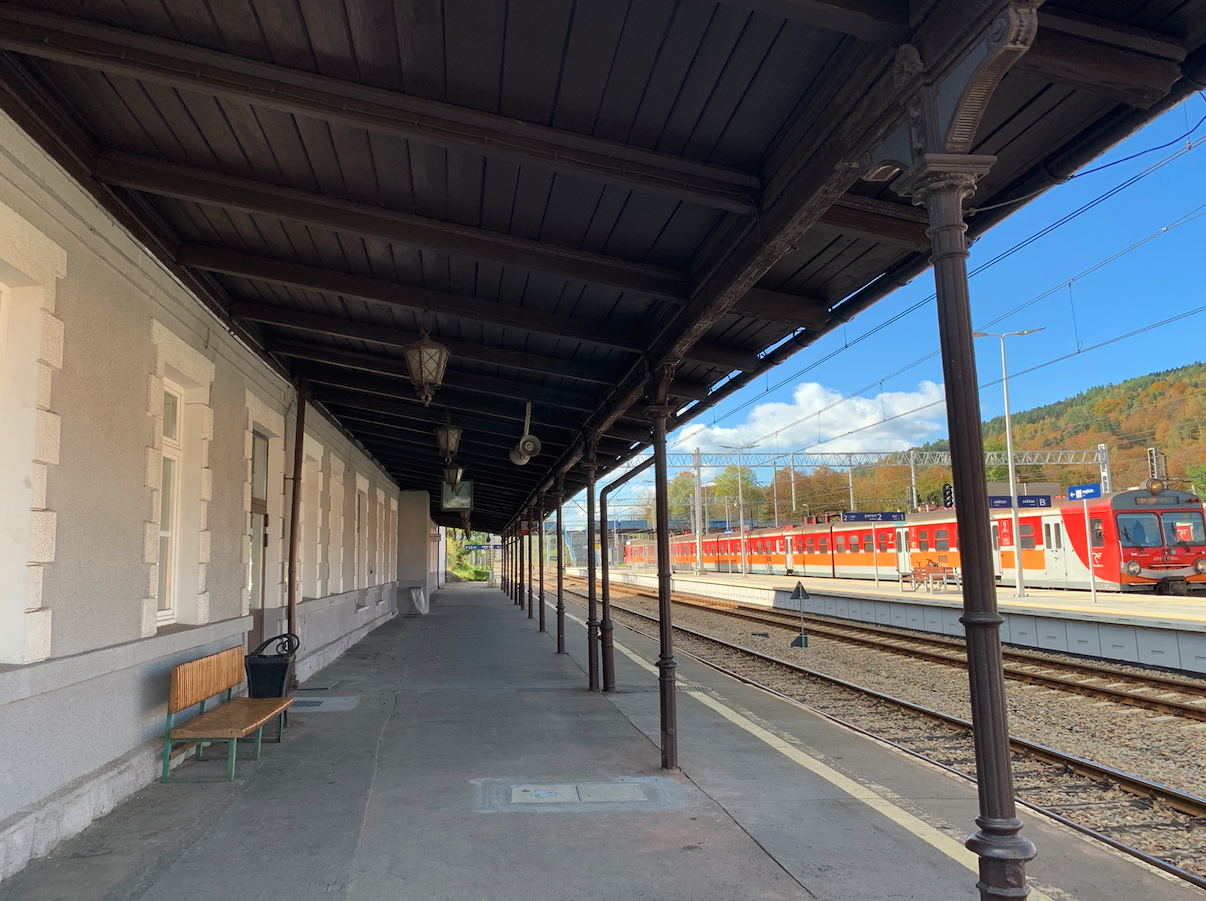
{"x": 261, "y": 261}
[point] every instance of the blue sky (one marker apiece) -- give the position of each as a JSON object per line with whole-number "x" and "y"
{"x": 1159, "y": 280}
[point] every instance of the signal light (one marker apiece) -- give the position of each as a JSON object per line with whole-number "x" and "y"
{"x": 948, "y": 495}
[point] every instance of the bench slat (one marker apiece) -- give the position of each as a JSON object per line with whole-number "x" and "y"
{"x": 205, "y": 677}
{"x": 234, "y": 719}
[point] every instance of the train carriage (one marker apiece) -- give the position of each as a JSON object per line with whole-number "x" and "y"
{"x": 1142, "y": 540}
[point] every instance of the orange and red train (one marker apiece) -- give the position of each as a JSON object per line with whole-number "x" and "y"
{"x": 1145, "y": 539}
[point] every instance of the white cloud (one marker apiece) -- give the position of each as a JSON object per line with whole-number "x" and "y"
{"x": 819, "y": 420}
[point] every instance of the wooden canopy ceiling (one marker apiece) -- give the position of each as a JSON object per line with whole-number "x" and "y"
{"x": 567, "y": 193}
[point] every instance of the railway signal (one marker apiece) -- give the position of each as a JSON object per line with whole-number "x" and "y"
{"x": 948, "y": 495}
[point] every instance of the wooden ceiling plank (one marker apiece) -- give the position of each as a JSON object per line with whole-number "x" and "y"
{"x": 1074, "y": 61}
{"x": 330, "y": 325}
{"x": 154, "y": 176}
{"x": 179, "y": 65}
{"x": 329, "y": 281}
{"x": 882, "y": 22}
{"x": 790, "y": 309}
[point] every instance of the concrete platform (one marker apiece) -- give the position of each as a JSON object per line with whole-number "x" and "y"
{"x": 1169, "y": 632}
{"x": 472, "y": 764}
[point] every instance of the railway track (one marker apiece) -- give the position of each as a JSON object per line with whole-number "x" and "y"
{"x": 1160, "y": 825}
{"x": 1151, "y": 691}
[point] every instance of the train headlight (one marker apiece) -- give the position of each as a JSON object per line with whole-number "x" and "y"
{"x": 1199, "y": 566}
{"x": 1134, "y": 567}
{"x": 1155, "y": 486}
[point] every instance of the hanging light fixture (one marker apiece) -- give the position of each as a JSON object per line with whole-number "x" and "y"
{"x": 425, "y": 361}
{"x": 452, "y": 474}
{"x": 449, "y": 438}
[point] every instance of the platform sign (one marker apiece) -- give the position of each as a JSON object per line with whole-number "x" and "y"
{"x": 458, "y": 498}
{"x": 999, "y": 502}
{"x": 483, "y": 547}
{"x": 872, "y": 517}
{"x": 1034, "y": 500}
{"x": 1084, "y": 492}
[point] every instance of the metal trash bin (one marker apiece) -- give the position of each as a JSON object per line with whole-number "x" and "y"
{"x": 269, "y": 675}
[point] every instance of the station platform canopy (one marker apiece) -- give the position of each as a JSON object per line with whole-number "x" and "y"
{"x": 576, "y": 199}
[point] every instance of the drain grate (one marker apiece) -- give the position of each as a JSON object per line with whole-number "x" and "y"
{"x": 324, "y": 705}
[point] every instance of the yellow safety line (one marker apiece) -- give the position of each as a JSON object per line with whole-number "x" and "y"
{"x": 923, "y": 830}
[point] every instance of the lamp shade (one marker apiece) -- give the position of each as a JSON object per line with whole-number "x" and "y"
{"x": 425, "y": 361}
{"x": 452, "y": 474}
{"x": 449, "y": 438}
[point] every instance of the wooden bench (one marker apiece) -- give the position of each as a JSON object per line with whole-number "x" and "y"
{"x": 195, "y": 683}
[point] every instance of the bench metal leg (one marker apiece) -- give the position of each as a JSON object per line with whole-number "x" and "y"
{"x": 231, "y": 745}
{"x": 258, "y": 734}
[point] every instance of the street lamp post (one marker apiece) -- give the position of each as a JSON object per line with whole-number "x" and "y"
{"x": 740, "y": 501}
{"x": 1013, "y": 481}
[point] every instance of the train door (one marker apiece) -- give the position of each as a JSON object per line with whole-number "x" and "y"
{"x": 1056, "y": 557}
{"x": 903, "y": 563}
{"x": 996, "y": 551}
{"x": 789, "y": 540}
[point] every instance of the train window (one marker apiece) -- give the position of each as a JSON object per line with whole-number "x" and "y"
{"x": 1096, "y": 533}
{"x": 1047, "y": 534}
{"x": 1027, "y": 534}
{"x": 839, "y": 544}
{"x": 854, "y": 544}
{"x": 1059, "y": 540}
{"x": 824, "y": 545}
{"x": 941, "y": 540}
{"x": 923, "y": 540}
{"x": 812, "y": 545}
{"x": 1183, "y": 529}
{"x": 883, "y": 542}
{"x": 1139, "y": 530}
{"x": 996, "y": 537}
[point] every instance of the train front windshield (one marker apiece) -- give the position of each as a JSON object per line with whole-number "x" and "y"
{"x": 1145, "y": 530}
{"x": 1183, "y": 529}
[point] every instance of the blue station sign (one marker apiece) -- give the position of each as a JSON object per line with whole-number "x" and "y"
{"x": 872, "y": 517}
{"x": 1034, "y": 500}
{"x": 999, "y": 501}
{"x": 1084, "y": 492}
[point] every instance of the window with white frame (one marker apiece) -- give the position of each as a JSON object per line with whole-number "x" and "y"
{"x": 169, "y": 500}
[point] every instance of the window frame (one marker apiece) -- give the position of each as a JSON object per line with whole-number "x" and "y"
{"x": 171, "y": 450}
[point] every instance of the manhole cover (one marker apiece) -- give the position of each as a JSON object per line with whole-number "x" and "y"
{"x": 543, "y": 794}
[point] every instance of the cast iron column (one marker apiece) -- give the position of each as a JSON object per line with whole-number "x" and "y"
{"x": 606, "y": 628}
{"x": 519, "y": 556}
{"x": 299, "y": 448}
{"x": 942, "y": 184}
{"x": 665, "y": 660}
{"x": 592, "y": 608}
{"x": 531, "y": 541}
{"x": 541, "y": 560}
{"x": 560, "y": 571}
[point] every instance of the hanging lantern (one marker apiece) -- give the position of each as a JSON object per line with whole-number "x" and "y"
{"x": 425, "y": 360}
{"x": 449, "y": 438}
{"x": 452, "y": 474}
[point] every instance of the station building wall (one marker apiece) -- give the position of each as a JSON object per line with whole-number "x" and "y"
{"x": 118, "y": 389}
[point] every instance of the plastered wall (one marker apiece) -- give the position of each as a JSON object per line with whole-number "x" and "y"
{"x": 84, "y": 649}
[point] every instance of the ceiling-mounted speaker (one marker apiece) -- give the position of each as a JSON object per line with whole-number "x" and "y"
{"x": 529, "y": 445}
